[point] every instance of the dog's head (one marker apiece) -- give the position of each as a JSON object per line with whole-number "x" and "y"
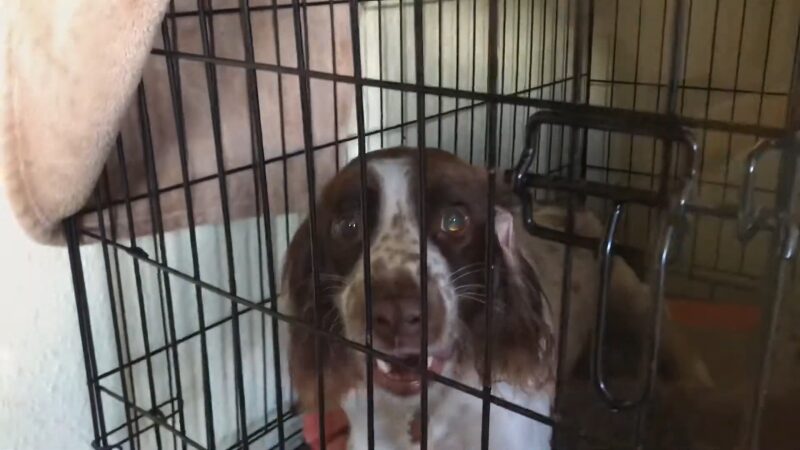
{"x": 456, "y": 211}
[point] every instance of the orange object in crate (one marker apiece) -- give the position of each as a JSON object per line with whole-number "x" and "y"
{"x": 337, "y": 430}
{"x": 710, "y": 316}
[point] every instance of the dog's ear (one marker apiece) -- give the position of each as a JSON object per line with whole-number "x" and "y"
{"x": 521, "y": 337}
{"x": 504, "y": 196}
{"x": 297, "y": 300}
{"x": 504, "y": 230}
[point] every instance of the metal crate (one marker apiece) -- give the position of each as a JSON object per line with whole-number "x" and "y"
{"x": 683, "y": 112}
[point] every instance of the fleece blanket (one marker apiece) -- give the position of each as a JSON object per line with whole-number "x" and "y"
{"x": 86, "y": 101}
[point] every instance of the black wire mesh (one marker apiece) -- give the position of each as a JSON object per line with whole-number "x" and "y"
{"x": 181, "y": 344}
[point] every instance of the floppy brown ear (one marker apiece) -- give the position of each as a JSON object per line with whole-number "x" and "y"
{"x": 504, "y": 196}
{"x": 337, "y": 362}
{"x": 521, "y": 337}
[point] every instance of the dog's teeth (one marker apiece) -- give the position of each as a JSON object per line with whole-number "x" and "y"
{"x": 430, "y": 360}
{"x": 384, "y": 366}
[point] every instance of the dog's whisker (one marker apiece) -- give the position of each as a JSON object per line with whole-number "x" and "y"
{"x": 496, "y": 306}
{"x": 470, "y": 294}
{"x": 474, "y": 299}
{"x": 473, "y": 268}
{"x": 461, "y": 286}
{"x": 476, "y": 289}
{"x": 474, "y": 293}
{"x": 466, "y": 274}
{"x": 498, "y": 269}
{"x": 465, "y": 267}
{"x": 466, "y": 271}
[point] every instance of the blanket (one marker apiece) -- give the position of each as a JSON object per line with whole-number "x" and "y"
{"x": 86, "y": 102}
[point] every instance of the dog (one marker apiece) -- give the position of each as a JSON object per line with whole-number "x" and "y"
{"x": 525, "y": 304}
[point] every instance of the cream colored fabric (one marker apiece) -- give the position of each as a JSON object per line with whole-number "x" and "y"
{"x": 68, "y": 68}
{"x": 70, "y": 72}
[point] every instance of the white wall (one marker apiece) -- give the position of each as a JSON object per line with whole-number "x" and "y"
{"x": 531, "y": 54}
{"x": 43, "y": 401}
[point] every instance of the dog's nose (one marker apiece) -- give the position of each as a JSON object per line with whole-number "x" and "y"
{"x": 396, "y": 319}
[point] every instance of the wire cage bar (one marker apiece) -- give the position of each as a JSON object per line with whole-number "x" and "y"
{"x": 675, "y": 120}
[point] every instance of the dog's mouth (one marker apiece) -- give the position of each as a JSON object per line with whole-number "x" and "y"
{"x": 405, "y": 380}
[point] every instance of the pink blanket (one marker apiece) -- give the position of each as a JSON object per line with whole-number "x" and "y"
{"x": 68, "y": 87}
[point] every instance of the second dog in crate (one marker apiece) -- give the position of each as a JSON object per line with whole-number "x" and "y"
{"x": 526, "y": 294}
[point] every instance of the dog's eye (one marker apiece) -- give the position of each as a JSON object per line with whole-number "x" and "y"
{"x": 454, "y": 220}
{"x": 347, "y": 227}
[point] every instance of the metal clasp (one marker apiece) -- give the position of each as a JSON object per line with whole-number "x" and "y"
{"x": 674, "y": 201}
{"x": 753, "y": 218}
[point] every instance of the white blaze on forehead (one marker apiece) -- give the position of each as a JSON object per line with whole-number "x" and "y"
{"x": 394, "y": 179}
{"x": 397, "y": 231}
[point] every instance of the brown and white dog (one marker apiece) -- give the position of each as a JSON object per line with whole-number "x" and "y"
{"x": 526, "y": 294}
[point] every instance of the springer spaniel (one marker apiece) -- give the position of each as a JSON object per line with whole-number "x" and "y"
{"x": 527, "y": 291}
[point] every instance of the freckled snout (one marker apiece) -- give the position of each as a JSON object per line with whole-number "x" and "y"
{"x": 397, "y": 312}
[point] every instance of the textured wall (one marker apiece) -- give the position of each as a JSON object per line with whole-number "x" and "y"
{"x": 43, "y": 401}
